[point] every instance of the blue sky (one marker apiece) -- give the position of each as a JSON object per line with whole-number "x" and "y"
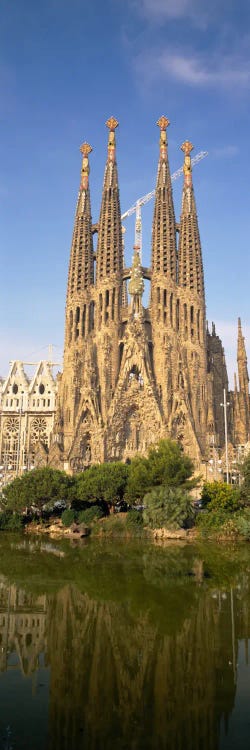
{"x": 65, "y": 67}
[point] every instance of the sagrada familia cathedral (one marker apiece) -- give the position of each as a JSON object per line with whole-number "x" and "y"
{"x": 131, "y": 374}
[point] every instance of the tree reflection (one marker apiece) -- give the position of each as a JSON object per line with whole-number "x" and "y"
{"x": 151, "y": 663}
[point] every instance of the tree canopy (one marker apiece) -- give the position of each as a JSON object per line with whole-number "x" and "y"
{"x": 245, "y": 487}
{"x": 101, "y": 483}
{"x": 165, "y": 465}
{"x": 37, "y": 488}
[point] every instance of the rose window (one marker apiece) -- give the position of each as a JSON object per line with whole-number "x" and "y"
{"x": 38, "y": 432}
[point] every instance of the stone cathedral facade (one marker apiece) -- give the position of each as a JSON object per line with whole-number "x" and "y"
{"x": 131, "y": 374}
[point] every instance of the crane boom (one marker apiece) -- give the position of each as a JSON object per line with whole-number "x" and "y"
{"x": 146, "y": 198}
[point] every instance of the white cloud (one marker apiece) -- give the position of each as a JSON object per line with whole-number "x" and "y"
{"x": 166, "y": 8}
{"x": 195, "y": 70}
{"x": 200, "y": 12}
{"x": 225, "y": 152}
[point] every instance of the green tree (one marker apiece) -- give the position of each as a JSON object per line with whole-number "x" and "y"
{"x": 165, "y": 465}
{"x": 104, "y": 483}
{"x": 245, "y": 472}
{"x": 37, "y": 487}
{"x": 219, "y": 496}
{"x": 169, "y": 507}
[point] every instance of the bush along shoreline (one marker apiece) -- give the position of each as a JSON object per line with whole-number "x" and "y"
{"x": 150, "y": 495}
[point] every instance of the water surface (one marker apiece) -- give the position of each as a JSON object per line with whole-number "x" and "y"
{"x": 123, "y": 645}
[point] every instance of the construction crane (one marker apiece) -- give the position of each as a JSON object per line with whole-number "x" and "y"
{"x": 136, "y": 208}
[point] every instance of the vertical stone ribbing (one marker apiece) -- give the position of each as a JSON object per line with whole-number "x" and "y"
{"x": 164, "y": 229}
{"x": 81, "y": 265}
{"x": 110, "y": 247}
{"x": 190, "y": 267}
{"x": 242, "y": 362}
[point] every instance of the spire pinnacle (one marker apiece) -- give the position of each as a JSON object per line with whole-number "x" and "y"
{"x": 111, "y": 124}
{"x": 163, "y": 124}
{"x": 110, "y": 248}
{"x": 85, "y": 149}
{"x": 189, "y": 255}
{"x": 187, "y": 147}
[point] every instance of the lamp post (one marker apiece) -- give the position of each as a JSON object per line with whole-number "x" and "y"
{"x": 225, "y": 404}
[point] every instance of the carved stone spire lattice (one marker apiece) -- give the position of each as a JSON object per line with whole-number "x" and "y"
{"x": 81, "y": 266}
{"x": 164, "y": 230}
{"x": 190, "y": 267}
{"x": 110, "y": 249}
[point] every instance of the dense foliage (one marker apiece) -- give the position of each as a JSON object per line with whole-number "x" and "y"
{"x": 37, "y": 488}
{"x": 90, "y": 514}
{"x": 134, "y": 520}
{"x": 169, "y": 507}
{"x": 104, "y": 483}
{"x": 218, "y": 496}
{"x": 165, "y": 465}
{"x": 68, "y": 516}
{"x": 10, "y": 521}
{"x": 245, "y": 472}
{"x": 226, "y": 513}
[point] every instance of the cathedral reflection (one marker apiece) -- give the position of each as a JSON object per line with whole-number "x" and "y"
{"x": 119, "y": 678}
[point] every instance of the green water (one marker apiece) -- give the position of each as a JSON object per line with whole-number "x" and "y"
{"x": 123, "y": 645}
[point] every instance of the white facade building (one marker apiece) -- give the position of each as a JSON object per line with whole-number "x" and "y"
{"x": 27, "y": 412}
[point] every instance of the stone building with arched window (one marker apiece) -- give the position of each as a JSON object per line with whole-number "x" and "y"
{"x": 27, "y": 410}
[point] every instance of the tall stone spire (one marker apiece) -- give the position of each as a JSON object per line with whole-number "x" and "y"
{"x": 242, "y": 362}
{"x": 164, "y": 228}
{"x": 110, "y": 248}
{"x": 190, "y": 268}
{"x": 81, "y": 266}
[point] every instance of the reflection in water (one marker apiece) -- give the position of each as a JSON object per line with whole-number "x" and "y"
{"x": 142, "y": 646}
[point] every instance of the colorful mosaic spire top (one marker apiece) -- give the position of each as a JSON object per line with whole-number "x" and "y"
{"x": 85, "y": 149}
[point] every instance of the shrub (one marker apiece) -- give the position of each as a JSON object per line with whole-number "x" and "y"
{"x": 168, "y": 507}
{"x": 112, "y": 525}
{"x": 134, "y": 520}
{"x": 226, "y": 524}
{"x": 245, "y": 487}
{"x": 220, "y": 496}
{"x": 90, "y": 515}
{"x": 10, "y": 521}
{"x": 68, "y": 516}
{"x": 243, "y": 524}
{"x": 166, "y": 465}
{"x": 212, "y": 521}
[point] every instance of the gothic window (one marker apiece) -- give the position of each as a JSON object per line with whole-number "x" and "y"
{"x": 113, "y": 304}
{"x": 91, "y": 316}
{"x": 83, "y": 321}
{"x": 41, "y": 388}
{"x": 15, "y": 388}
{"x": 178, "y": 315}
{"x": 70, "y": 325}
{"x": 10, "y": 441}
{"x": 77, "y": 318}
{"x": 100, "y": 309}
{"x": 135, "y": 375}
{"x": 171, "y": 309}
{"x": 106, "y": 305}
{"x": 198, "y": 325}
{"x": 38, "y": 431}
